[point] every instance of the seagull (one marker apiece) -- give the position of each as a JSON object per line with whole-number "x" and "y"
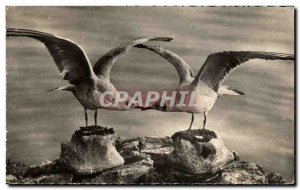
{"x": 207, "y": 84}
{"x": 87, "y": 83}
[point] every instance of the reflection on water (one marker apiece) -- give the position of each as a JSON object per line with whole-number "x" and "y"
{"x": 259, "y": 125}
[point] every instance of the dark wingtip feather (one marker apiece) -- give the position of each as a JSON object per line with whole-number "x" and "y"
{"x": 237, "y": 91}
{"x": 166, "y": 39}
{"x": 140, "y": 46}
{"x": 25, "y": 32}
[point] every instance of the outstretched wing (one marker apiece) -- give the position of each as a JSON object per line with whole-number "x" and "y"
{"x": 104, "y": 64}
{"x": 70, "y": 59}
{"x": 183, "y": 69}
{"x": 218, "y": 65}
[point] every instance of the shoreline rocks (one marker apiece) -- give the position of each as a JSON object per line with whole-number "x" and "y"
{"x": 97, "y": 156}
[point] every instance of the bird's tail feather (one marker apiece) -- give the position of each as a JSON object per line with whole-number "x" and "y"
{"x": 225, "y": 90}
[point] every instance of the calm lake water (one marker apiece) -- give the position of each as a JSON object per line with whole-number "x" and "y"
{"x": 259, "y": 125}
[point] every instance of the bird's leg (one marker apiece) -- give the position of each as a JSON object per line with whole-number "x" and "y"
{"x": 86, "y": 117}
{"x": 204, "y": 121}
{"x": 95, "y": 117}
{"x": 192, "y": 121}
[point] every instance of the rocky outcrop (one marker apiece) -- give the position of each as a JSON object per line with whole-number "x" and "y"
{"x": 65, "y": 178}
{"x": 129, "y": 174}
{"x": 156, "y": 149}
{"x": 199, "y": 152}
{"x": 96, "y": 156}
{"x": 16, "y": 169}
{"x": 46, "y": 167}
{"x": 242, "y": 172}
{"x": 275, "y": 178}
{"x": 90, "y": 153}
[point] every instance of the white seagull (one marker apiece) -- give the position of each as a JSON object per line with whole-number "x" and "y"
{"x": 87, "y": 83}
{"x": 207, "y": 83}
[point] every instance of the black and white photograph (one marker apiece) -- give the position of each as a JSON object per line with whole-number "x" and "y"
{"x": 150, "y": 95}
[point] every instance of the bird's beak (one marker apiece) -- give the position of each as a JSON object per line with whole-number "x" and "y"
{"x": 141, "y": 107}
{"x": 146, "y": 108}
{"x": 138, "y": 107}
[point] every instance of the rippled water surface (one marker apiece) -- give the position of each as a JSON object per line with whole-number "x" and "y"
{"x": 259, "y": 125}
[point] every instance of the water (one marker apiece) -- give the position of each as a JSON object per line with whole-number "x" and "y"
{"x": 259, "y": 125}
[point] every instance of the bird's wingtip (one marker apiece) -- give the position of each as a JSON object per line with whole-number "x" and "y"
{"x": 163, "y": 38}
{"x": 140, "y": 46}
{"x": 238, "y": 91}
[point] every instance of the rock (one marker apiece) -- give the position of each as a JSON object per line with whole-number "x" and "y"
{"x": 243, "y": 172}
{"x": 135, "y": 144}
{"x": 275, "y": 178}
{"x": 157, "y": 148}
{"x": 153, "y": 145}
{"x": 199, "y": 152}
{"x": 46, "y": 167}
{"x": 23, "y": 181}
{"x": 129, "y": 174}
{"x": 16, "y": 169}
{"x": 132, "y": 172}
{"x": 134, "y": 156}
{"x": 54, "y": 179}
{"x": 137, "y": 165}
{"x": 92, "y": 153}
{"x": 10, "y": 179}
{"x": 173, "y": 176}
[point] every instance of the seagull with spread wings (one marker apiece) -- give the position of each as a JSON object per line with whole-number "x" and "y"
{"x": 87, "y": 83}
{"x": 207, "y": 83}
